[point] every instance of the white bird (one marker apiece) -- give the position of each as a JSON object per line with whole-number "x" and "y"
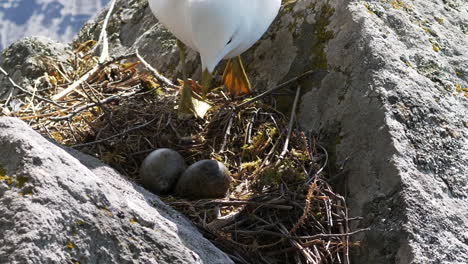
{"x": 217, "y": 29}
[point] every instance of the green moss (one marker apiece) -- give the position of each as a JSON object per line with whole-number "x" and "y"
{"x": 314, "y": 48}
{"x": 260, "y": 141}
{"x": 284, "y": 172}
{"x": 3, "y": 172}
{"x": 322, "y": 35}
{"x": 26, "y": 192}
{"x": 21, "y": 181}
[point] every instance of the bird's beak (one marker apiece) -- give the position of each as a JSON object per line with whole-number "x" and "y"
{"x": 206, "y": 82}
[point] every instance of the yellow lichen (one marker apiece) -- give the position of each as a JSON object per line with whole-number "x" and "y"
{"x": 106, "y": 211}
{"x": 439, "y": 20}
{"x": 6, "y": 179}
{"x": 133, "y": 221}
{"x": 3, "y": 172}
{"x": 435, "y": 46}
{"x": 80, "y": 222}
{"x": 27, "y": 192}
{"x": 398, "y": 4}
{"x": 70, "y": 245}
{"x": 367, "y": 6}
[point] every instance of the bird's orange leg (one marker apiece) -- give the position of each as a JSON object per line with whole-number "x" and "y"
{"x": 185, "y": 102}
{"x": 235, "y": 79}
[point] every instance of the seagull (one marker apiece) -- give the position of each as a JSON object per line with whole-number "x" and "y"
{"x": 217, "y": 29}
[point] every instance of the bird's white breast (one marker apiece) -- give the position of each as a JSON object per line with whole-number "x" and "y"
{"x": 217, "y": 29}
{"x": 257, "y": 19}
{"x": 173, "y": 15}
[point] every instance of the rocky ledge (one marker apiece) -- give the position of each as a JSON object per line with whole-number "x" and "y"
{"x": 58, "y": 205}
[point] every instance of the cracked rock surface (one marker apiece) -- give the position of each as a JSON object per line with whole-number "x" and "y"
{"x": 58, "y": 205}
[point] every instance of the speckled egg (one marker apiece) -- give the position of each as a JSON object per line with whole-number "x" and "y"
{"x": 204, "y": 179}
{"x": 161, "y": 169}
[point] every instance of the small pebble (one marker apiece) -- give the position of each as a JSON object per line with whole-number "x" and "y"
{"x": 161, "y": 169}
{"x": 204, "y": 179}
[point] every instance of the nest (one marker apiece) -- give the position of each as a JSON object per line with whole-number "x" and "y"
{"x": 280, "y": 209}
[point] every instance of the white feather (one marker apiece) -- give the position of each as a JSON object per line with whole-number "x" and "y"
{"x": 217, "y": 29}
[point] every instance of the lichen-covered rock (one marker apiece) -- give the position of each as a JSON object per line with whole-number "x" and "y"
{"x": 58, "y": 205}
{"x": 204, "y": 179}
{"x": 161, "y": 169}
{"x": 28, "y": 59}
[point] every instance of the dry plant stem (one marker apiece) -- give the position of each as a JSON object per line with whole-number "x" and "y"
{"x": 102, "y": 58}
{"x": 116, "y": 135}
{"x": 227, "y": 132}
{"x": 155, "y": 72}
{"x": 344, "y": 229}
{"x": 291, "y": 123}
{"x": 26, "y": 91}
{"x": 270, "y": 205}
{"x": 280, "y": 86}
{"x": 321, "y": 168}
{"x": 97, "y": 68}
{"x": 102, "y": 40}
{"x": 332, "y": 235}
{"x": 103, "y": 36}
{"x": 87, "y": 106}
{"x": 304, "y": 251}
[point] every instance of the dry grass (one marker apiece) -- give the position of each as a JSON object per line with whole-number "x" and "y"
{"x": 280, "y": 208}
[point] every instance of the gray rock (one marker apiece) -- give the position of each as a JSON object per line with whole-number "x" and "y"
{"x": 161, "y": 169}
{"x": 61, "y": 206}
{"x": 28, "y": 59}
{"x": 392, "y": 108}
{"x": 204, "y": 179}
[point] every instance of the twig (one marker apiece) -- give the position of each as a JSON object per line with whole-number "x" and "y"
{"x": 280, "y": 86}
{"x": 89, "y": 74}
{"x": 321, "y": 168}
{"x": 103, "y": 57}
{"x": 103, "y": 36}
{"x": 332, "y": 235}
{"x": 116, "y": 135}
{"x": 291, "y": 123}
{"x": 155, "y": 72}
{"x": 234, "y": 203}
{"x": 227, "y": 132}
{"x": 304, "y": 251}
{"x": 87, "y": 106}
{"x": 26, "y": 91}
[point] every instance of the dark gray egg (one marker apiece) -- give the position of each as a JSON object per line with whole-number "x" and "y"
{"x": 161, "y": 169}
{"x": 204, "y": 179}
